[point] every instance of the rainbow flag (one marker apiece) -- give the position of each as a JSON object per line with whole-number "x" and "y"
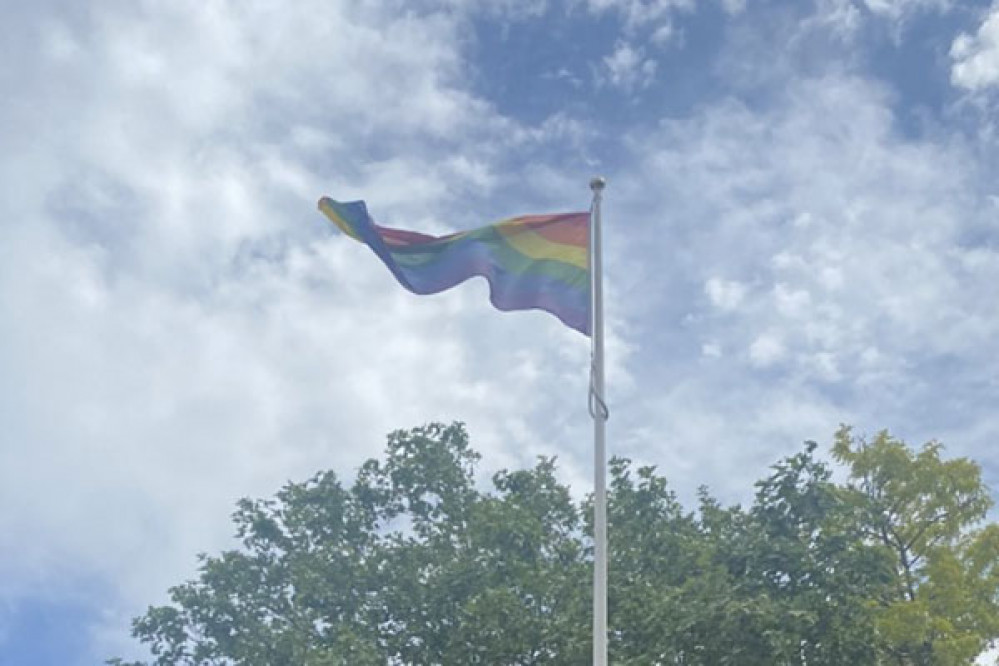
{"x": 535, "y": 261}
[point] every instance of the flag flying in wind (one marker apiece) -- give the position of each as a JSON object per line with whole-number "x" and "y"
{"x": 535, "y": 261}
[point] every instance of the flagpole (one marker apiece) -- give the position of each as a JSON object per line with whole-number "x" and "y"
{"x": 598, "y": 410}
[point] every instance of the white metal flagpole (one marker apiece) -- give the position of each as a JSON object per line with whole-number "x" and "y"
{"x": 598, "y": 410}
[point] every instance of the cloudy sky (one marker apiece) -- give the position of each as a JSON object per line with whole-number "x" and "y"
{"x": 802, "y": 227}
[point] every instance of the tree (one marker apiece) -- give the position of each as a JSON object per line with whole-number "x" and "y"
{"x": 940, "y": 607}
{"x": 782, "y": 583}
{"x": 413, "y": 563}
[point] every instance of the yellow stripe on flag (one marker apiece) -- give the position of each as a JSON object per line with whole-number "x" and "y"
{"x": 534, "y": 245}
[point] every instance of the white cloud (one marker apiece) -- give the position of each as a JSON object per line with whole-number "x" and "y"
{"x": 792, "y": 302}
{"x": 734, "y": 6}
{"x": 976, "y": 57}
{"x": 897, "y": 9}
{"x": 766, "y": 350}
{"x": 518, "y": 10}
{"x": 664, "y": 34}
{"x": 725, "y": 294}
{"x": 711, "y": 350}
{"x": 182, "y": 328}
{"x": 643, "y": 13}
{"x": 842, "y": 17}
{"x": 627, "y": 68}
{"x": 868, "y": 300}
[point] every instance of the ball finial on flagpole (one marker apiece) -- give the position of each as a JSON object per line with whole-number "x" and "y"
{"x": 597, "y": 183}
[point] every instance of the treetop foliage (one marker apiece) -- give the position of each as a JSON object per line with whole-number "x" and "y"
{"x": 412, "y": 563}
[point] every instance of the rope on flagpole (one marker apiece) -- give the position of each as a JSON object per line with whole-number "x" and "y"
{"x": 597, "y": 406}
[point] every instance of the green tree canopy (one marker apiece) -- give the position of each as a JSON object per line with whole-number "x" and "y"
{"x": 940, "y": 604}
{"x": 413, "y": 563}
